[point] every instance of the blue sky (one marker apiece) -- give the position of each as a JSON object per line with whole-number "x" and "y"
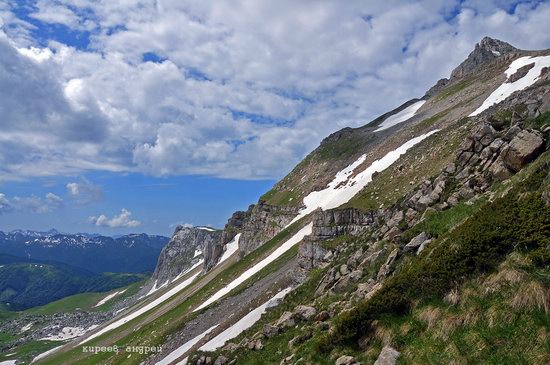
{"x": 134, "y": 116}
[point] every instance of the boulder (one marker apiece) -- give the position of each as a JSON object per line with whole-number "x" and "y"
{"x": 388, "y": 265}
{"x": 388, "y": 356}
{"x": 423, "y": 246}
{"x": 304, "y": 312}
{"x": 322, "y": 316}
{"x": 346, "y": 360}
{"x": 523, "y": 148}
{"x": 221, "y": 360}
{"x": 286, "y": 320}
{"x": 270, "y": 330}
{"x": 416, "y": 242}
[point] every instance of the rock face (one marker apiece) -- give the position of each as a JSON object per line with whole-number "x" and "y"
{"x": 486, "y": 50}
{"x": 388, "y": 356}
{"x": 213, "y": 250}
{"x": 263, "y": 222}
{"x": 337, "y": 222}
{"x": 184, "y": 250}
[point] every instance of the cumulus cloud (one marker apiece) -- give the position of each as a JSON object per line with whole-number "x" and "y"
{"x": 239, "y": 89}
{"x": 84, "y": 192}
{"x": 124, "y": 219}
{"x": 32, "y": 203}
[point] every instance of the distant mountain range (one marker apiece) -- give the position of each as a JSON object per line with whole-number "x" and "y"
{"x": 133, "y": 253}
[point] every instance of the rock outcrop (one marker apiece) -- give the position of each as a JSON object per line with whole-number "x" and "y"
{"x": 184, "y": 250}
{"x": 486, "y": 50}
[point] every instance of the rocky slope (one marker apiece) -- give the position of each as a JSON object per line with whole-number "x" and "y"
{"x": 434, "y": 253}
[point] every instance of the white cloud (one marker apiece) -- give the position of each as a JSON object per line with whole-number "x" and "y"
{"x": 32, "y": 203}
{"x": 84, "y": 192}
{"x": 124, "y": 219}
{"x": 245, "y": 89}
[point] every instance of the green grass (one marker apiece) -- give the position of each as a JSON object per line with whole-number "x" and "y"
{"x": 453, "y": 89}
{"x": 540, "y": 122}
{"x": 438, "y": 223}
{"x": 25, "y": 353}
{"x": 485, "y": 326}
{"x": 84, "y": 301}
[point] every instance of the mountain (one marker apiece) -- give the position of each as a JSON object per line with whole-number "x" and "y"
{"x": 185, "y": 251}
{"x": 28, "y": 283}
{"x": 422, "y": 236}
{"x": 132, "y": 253}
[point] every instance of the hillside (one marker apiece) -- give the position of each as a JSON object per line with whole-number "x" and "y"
{"x": 421, "y": 237}
{"x": 28, "y": 283}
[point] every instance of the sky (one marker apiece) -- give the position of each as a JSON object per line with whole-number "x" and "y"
{"x": 136, "y": 115}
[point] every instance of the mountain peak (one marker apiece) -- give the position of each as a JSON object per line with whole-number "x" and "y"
{"x": 486, "y": 50}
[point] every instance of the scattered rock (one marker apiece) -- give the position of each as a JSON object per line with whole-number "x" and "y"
{"x": 286, "y": 320}
{"x": 415, "y": 242}
{"x": 322, "y": 316}
{"x": 270, "y": 330}
{"x": 304, "y": 312}
{"x": 346, "y": 360}
{"x": 388, "y": 356}
{"x": 221, "y": 360}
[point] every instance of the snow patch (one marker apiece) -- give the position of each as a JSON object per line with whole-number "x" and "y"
{"x": 68, "y": 333}
{"x": 170, "y": 293}
{"x": 209, "y": 229}
{"x": 344, "y": 186}
{"x": 230, "y": 249}
{"x": 109, "y": 297}
{"x": 184, "y": 348}
{"x": 259, "y": 266}
{"x": 496, "y": 53}
{"x": 44, "y": 354}
{"x": 243, "y": 324}
{"x": 26, "y": 327}
{"x": 400, "y": 117}
{"x": 508, "y": 88}
{"x": 8, "y": 362}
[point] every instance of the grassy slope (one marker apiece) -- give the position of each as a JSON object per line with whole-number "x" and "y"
{"x": 155, "y": 333}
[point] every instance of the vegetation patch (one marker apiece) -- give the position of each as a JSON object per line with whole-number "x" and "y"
{"x": 519, "y": 221}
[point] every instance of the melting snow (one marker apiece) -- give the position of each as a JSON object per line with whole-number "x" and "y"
{"x": 507, "y": 88}
{"x": 230, "y": 248}
{"x": 26, "y": 327}
{"x": 197, "y": 253}
{"x": 44, "y": 354}
{"x": 243, "y": 324}
{"x": 400, "y": 117}
{"x": 68, "y": 333}
{"x": 259, "y": 266}
{"x": 109, "y": 297}
{"x": 184, "y": 348}
{"x": 8, "y": 362}
{"x": 170, "y": 293}
{"x": 344, "y": 186}
{"x": 209, "y": 229}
